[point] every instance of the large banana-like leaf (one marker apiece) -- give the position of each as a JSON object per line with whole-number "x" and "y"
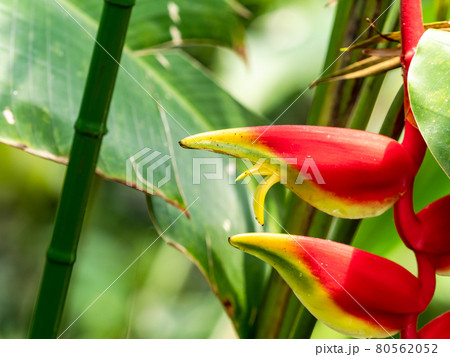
{"x": 180, "y": 22}
{"x": 44, "y": 56}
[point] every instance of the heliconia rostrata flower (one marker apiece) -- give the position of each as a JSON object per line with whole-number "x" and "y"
{"x": 355, "y": 292}
{"x": 350, "y": 174}
{"x": 343, "y": 172}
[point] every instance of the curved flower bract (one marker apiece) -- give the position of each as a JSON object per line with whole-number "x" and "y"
{"x": 355, "y": 292}
{"x": 430, "y": 229}
{"x": 441, "y": 263}
{"x": 438, "y": 328}
{"x": 343, "y": 172}
{"x": 435, "y": 221}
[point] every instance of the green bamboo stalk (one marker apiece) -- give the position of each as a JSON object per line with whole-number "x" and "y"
{"x": 90, "y": 128}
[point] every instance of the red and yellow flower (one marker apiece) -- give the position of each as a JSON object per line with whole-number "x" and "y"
{"x": 352, "y": 291}
{"x": 343, "y": 172}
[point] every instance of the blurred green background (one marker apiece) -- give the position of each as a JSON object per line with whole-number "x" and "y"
{"x": 164, "y": 295}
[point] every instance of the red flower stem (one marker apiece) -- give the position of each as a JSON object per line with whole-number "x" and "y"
{"x": 414, "y": 143}
{"x": 406, "y": 221}
{"x": 407, "y": 224}
{"x": 411, "y": 28}
{"x": 410, "y": 331}
{"x": 427, "y": 280}
{"x": 427, "y": 277}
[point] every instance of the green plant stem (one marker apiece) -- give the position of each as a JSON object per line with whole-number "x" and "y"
{"x": 395, "y": 117}
{"x": 303, "y": 325}
{"x": 290, "y": 316}
{"x": 274, "y": 305}
{"x": 322, "y": 102}
{"x": 442, "y": 7}
{"x": 277, "y": 293}
{"x": 343, "y": 230}
{"x": 320, "y": 224}
{"x": 367, "y": 99}
{"x": 90, "y": 128}
{"x": 334, "y": 102}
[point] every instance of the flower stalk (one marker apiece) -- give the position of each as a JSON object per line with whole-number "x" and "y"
{"x": 356, "y": 174}
{"x": 408, "y": 223}
{"x": 411, "y": 29}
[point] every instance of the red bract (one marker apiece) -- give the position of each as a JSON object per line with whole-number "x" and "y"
{"x": 343, "y": 172}
{"x": 441, "y": 264}
{"x": 353, "y": 291}
{"x": 435, "y": 222}
{"x": 438, "y": 328}
{"x": 428, "y": 231}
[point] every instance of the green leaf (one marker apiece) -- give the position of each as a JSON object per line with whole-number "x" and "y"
{"x": 44, "y": 56}
{"x": 180, "y": 22}
{"x": 428, "y": 86}
{"x": 219, "y": 209}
